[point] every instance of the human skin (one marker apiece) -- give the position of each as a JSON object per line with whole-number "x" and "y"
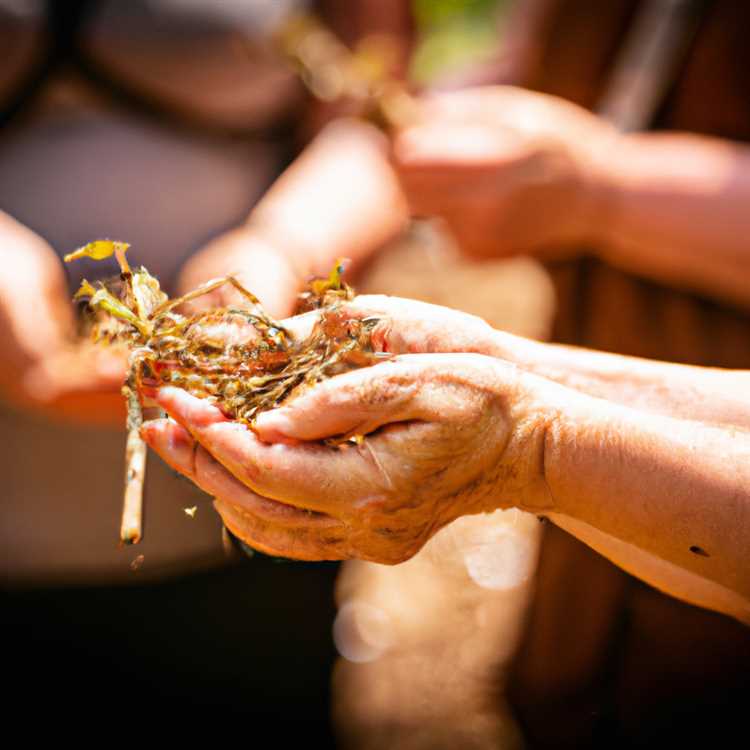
{"x": 43, "y": 369}
{"x": 489, "y": 178}
{"x": 460, "y": 423}
{"x": 340, "y": 198}
{"x": 547, "y": 177}
{"x": 515, "y": 171}
{"x": 508, "y": 171}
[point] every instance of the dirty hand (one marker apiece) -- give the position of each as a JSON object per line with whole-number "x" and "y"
{"x": 508, "y": 170}
{"x": 43, "y": 369}
{"x": 446, "y": 434}
{"x": 256, "y": 263}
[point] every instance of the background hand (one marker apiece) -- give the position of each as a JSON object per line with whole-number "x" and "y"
{"x": 43, "y": 367}
{"x": 259, "y": 266}
{"x": 509, "y": 170}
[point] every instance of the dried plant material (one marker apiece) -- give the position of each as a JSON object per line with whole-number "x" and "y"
{"x": 238, "y": 358}
{"x": 190, "y": 511}
{"x": 362, "y": 76}
{"x": 135, "y": 474}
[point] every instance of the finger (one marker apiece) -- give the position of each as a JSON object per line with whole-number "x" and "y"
{"x": 176, "y": 446}
{"x": 404, "y": 389}
{"x": 408, "y": 326}
{"x": 299, "y": 543}
{"x": 279, "y": 472}
{"x": 267, "y": 525}
{"x": 191, "y": 412}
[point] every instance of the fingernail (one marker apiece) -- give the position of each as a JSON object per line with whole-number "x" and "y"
{"x": 271, "y": 423}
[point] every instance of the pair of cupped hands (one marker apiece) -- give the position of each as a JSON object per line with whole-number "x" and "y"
{"x": 451, "y": 425}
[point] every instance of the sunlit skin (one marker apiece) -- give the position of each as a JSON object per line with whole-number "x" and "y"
{"x": 369, "y": 503}
{"x": 508, "y": 171}
{"x": 43, "y": 368}
{"x": 512, "y": 171}
{"x": 663, "y": 495}
{"x": 557, "y": 177}
{"x": 341, "y": 194}
{"x": 537, "y": 174}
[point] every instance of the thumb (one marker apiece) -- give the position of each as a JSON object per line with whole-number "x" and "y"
{"x": 355, "y": 403}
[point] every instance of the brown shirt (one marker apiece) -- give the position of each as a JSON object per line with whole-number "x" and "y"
{"x": 607, "y": 309}
{"x": 606, "y": 656}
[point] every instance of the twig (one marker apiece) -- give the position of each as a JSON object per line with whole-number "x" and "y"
{"x": 135, "y": 472}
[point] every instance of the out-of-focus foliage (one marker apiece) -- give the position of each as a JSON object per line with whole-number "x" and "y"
{"x": 453, "y": 34}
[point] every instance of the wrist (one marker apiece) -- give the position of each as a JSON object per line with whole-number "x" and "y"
{"x": 585, "y": 437}
{"x": 530, "y": 415}
{"x": 600, "y": 189}
{"x": 281, "y": 277}
{"x": 607, "y": 185}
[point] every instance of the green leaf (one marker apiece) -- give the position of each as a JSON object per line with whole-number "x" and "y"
{"x": 107, "y": 302}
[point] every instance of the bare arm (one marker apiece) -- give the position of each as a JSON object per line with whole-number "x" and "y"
{"x": 677, "y": 212}
{"x": 340, "y": 198}
{"x": 512, "y": 171}
{"x": 450, "y": 434}
{"x": 671, "y": 207}
{"x": 665, "y": 499}
{"x": 710, "y": 395}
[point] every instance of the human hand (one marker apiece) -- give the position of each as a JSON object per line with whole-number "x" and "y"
{"x": 445, "y": 435}
{"x": 43, "y": 368}
{"x": 510, "y": 171}
{"x": 256, "y": 263}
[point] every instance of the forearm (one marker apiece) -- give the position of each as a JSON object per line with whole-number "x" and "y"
{"x": 710, "y": 395}
{"x": 677, "y": 212}
{"x": 666, "y": 499}
{"x": 339, "y": 198}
